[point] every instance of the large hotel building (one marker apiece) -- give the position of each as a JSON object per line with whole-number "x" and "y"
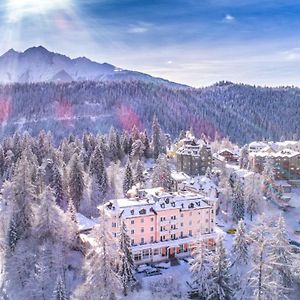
{"x": 163, "y": 225}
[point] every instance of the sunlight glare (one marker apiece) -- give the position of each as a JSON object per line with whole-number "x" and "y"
{"x": 18, "y": 9}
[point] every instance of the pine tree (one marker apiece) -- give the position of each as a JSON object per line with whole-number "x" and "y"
{"x": 128, "y": 179}
{"x": 137, "y": 151}
{"x": 112, "y": 144}
{"x": 12, "y": 234}
{"x": 24, "y": 197}
{"x": 262, "y": 280}
{"x": 126, "y": 261}
{"x": 57, "y": 186}
{"x": 161, "y": 176}
{"x": 240, "y": 244}
{"x": 281, "y": 257}
{"x": 59, "y": 292}
{"x": 139, "y": 177}
{"x": 102, "y": 280}
{"x": 156, "y": 138}
{"x": 201, "y": 270}
{"x": 238, "y": 203}
{"x": 71, "y": 211}
{"x": 76, "y": 180}
{"x": 268, "y": 175}
{"x": 97, "y": 169}
{"x": 220, "y": 276}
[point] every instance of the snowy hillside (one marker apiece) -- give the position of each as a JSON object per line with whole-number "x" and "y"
{"x": 37, "y": 64}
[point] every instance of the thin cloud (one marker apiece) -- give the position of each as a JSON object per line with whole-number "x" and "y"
{"x": 229, "y": 18}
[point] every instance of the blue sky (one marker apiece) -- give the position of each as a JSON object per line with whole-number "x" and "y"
{"x": 196, "y": 42}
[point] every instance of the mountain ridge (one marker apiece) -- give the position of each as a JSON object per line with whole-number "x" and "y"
{"x": 37, "y": 64}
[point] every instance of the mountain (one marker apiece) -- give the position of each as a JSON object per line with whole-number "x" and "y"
{"x": 242, "y": 112}
{"x": 37, "y": 64}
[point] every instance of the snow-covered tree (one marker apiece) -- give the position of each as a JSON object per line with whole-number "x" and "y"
{"x": 24, "y": 197}
{"x": 137, "y": 151}
{"x": 102, "y": 280}
{"x": 238, "y": 203}
{"x": 97, "y": 169}
{"x": 128, "y": 179}
{"x": 156, "y": 138}
{"x": 57, "y": 186}
{"x": 12, "y": 234}
{"x": 254, "y": 196}
{"x": 201, "y": 269}
{"x": 240, "y": 245}
{"x": 76, "y": 180}
{"x": 126, "y": 265}
{"x": 281, "y": 257}
{"x": 268, "y": 175}
{"x": 220, "y": 277}
{"x": 59, "y": 292}
{"x": 139, "y": 177}
{"x": 161, "y": 176}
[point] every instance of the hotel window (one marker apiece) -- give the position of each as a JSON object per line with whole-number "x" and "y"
{"x": 114, "y": 224}
{"x": 132, "y": 242}
{"x": 142, "y": 240}
{"x": 173, "y": 236}
{"x": 190, "y": 233}
{"x": 181, "y": 224}
{"x": 151, "y": 228}
{"x": 142, "y": 229}
{"x": 132, "y": 231}
{"x": 114, "y": 234}
{"x": 152, "y": 239}
{"x": 162, "y": 218}
{"x": 156, "y": 252}
{"x": 142, "y": 220}
{"x": 132, "y": 221}
{"x": 181, "y": 234}
{"x": 181, "y": 215}
{"x": 152, "y": 219}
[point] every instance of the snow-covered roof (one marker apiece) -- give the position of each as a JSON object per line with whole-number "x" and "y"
{"x": 156, "y": 199}
{"x": 282, "y": 153}
{"x": 257, "y": 144}
{"x": 84, "y": 223}
{"x": 179, "y": 176}
{"x": 287, "y": 143}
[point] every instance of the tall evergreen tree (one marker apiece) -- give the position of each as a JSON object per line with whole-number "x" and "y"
{"x": 59, "y": 292}
{"x": 238, "y": 203}
{"x": 76, "y": 180}
{"x": 220, "y": 277}
{"x": 240, "y": 245}
{"x": 126, "y": 266}
{"x": 281, "y": 257}
{"x": 161, "y": 176}
{"x": 156, "y": 138}
{"x": 201, "y": 270}
{"x": 128, "y": 179}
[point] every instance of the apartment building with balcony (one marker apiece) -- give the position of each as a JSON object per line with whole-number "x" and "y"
{"x": 163, "y": 225}
{"x": 286, "y": 163}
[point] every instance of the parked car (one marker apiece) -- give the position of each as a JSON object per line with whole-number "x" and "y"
{"x": 231, "y": 231}
{"x": 142, "y": 268}
{"x": 152, "y": 272}
{"x": 294, "y": 243}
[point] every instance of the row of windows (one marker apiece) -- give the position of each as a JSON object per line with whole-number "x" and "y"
{"x": 163, "y": 237}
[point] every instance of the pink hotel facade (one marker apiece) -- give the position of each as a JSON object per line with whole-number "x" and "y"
{"x": 162, "y": 225}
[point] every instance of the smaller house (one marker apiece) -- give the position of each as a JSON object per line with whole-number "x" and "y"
{"x": 228, "y": 155}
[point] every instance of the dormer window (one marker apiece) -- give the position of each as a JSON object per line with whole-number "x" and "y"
{"x": 167, "y": 200}
{"x": 173, "y": 204}
{"x": 142, "y": 211}
{"x": 132, "y": 211}
{"x": 162, "y": 205}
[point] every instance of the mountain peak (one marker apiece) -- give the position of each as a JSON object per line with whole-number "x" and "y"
{"x": 10, "y": 52}
{"x": 39, "y": 49}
